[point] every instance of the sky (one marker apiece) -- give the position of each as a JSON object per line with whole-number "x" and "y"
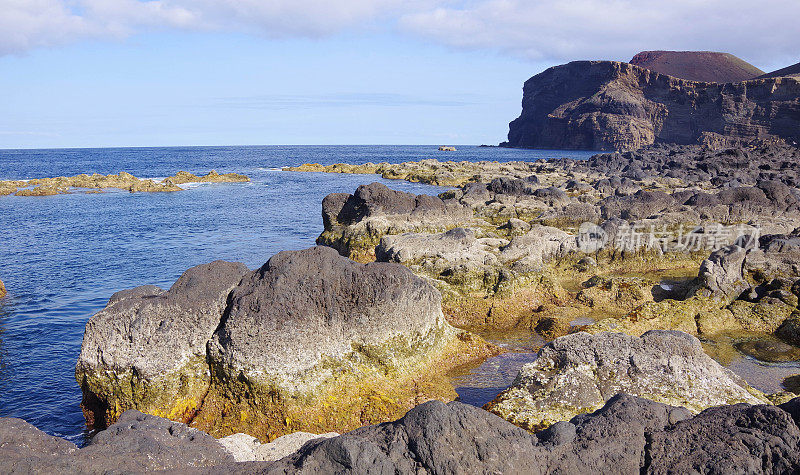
{"x": 97, "y": 73}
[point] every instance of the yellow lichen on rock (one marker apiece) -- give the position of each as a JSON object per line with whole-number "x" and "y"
{"x": 123, "y": 181}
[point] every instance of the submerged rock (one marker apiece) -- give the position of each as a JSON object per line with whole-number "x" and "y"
{"x": 310, "y": 341}
{"x": 212, "y": 177}
{"x": 2, "y": 289}
{"x": 578, "y": 373}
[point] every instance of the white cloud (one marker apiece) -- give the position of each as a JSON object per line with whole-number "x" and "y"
{"x": 614, "y": 29}
{"x": 553, "y": 30}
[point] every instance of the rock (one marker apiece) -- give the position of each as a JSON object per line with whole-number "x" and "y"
{"x": 136, "y": 443}
{"x": 578, "y": 373}
{"x": 790, "y": 329}
{"x": 26, "y": 449}
{"x": 627, "y": 435}
{"x": 311, "y": 341}
{"x": 722, "y": 274}
{"x": 212, "y": 177}
{"x": 607, "y": 105}
{"x": 618, "y": 438}
{"x": 287, "y": 445}
{"x": 241, "y": 446}
{"x": 542, "y": 243}
{"x": 311, "y": 327}
{"x": 432, "y": 437}
{"x": 2, "y": 289}
{"x": 458, "y": 245}
{"x": 147, "y": 348}
{"x": 354, "y": 224}
{"x": 141, "y": 442}
{"x": 728, "y": 439}
{"x": 769, "y": 350}
{"x": 246, "y": 448}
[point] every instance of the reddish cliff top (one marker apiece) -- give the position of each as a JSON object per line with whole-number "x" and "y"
{"x": 704, "y": 66}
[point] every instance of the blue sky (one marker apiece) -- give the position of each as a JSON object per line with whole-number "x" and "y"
{"x": 86, "y": 73}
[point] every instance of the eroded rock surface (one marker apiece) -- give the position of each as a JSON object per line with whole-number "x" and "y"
{"x": 355, "y": 223}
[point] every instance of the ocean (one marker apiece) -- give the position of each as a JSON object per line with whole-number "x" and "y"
{"x": 61, "y": 257}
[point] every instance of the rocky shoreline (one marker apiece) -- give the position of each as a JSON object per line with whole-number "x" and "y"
{"x": 629, "y": 264}
{"x": 123, "y": 181}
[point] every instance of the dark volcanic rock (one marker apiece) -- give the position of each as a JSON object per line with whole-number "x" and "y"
{"x": 136, "y": 443}
{"x": 355, "y": 224}
{"x": 627, "y": 435}
{"x": 26, "y": 449}
{"x": 606, "y": 105}
{"x": 230, "y": 352}
{"x": 706, "y": 66}
{"x": 433, "y": 437}
{"x": 728, "y": 440}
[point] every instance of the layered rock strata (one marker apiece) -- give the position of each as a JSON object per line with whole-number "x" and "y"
{"x": 607, "y": 105}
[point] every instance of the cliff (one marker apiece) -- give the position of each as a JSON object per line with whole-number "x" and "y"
{"x": 793, "y": 70}
{"x": 608, "y": 105}
{"x": 705, "y": 66}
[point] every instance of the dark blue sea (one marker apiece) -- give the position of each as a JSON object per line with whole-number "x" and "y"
{"x": 61, "y": 257}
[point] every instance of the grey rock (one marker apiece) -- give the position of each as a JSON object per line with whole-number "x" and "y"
{"x": 578, "y": 373}
{"x": 151, "y": 338}
{"x": 303, "y": 306}
{"x": 136, "y": 443}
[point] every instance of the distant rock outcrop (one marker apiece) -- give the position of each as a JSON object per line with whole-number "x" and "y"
{"x": 705, "y": 66}
{"x": 607, "y": 105}
{"x": 793, "y": 70}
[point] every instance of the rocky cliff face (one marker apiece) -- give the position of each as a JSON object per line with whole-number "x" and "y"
{"x": 607, "y": 105}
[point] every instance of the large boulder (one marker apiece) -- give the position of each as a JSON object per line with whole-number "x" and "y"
{"x": 578, "y": 373}
{"x": 310, "y": 341}
{"x": 147, "y": 349}
{"x": 354, "y": 224}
